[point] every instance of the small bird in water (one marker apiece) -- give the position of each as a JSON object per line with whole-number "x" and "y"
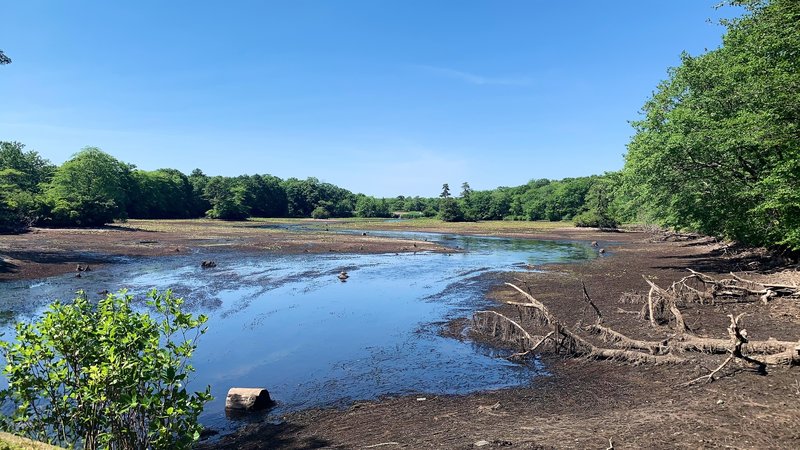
{"x": 343, "y": 276}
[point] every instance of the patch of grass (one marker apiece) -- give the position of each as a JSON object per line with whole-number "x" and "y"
{"x": 209, "y": 227}
{"x": 483, "y": 227}
{"x": 12, "y": 442}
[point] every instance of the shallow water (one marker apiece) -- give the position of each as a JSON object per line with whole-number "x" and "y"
{"x": 285, "y": 322}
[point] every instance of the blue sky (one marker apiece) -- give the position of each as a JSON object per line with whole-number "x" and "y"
{"x": 380, "y": 97}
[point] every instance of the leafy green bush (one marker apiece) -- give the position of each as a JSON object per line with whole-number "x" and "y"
{"x": 320, "y": 213}
{"x": 105, "y": 375}
{"x": 594, "y": 219}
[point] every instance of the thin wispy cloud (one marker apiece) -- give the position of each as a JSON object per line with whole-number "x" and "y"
{"x": 476, "y": 79}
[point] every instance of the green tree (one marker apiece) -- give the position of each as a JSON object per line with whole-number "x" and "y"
{"x": 34, "y": 169}
{"x": 22, "y": 174}
{"x": 718, "y": 147}
{"x": 18, "y": 208}
{"x": 90, "y": 189}
{"x": 160, "y": 194}
{"x": 445, "y": 191}
{"x": 449, "y": 211}
{"x": 105, "y": 375}
{"x": 466, "y": 205}
{"x": 229, "y": 199}
{"x": 372, "y": 207}
{"x": 267, "y": 196}
{"x": 199, "y": 205}
{"x": 597, "y": 206}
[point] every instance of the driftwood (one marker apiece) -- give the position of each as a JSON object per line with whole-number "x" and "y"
{"x": 736, "y": 288}
{"x": 662, "y": 308}
{"x": 738, "y": 338}
{"x": 508, "y": 330}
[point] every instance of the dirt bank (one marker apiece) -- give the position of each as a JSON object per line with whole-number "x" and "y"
{"x": 586, "y": 403}
{"x": 45, "y": 252}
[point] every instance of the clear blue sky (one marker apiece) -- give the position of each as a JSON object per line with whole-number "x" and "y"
{"x": 380, "y": 97}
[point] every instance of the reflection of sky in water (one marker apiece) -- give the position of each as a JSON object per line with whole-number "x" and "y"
{"x": 285, "y": 322}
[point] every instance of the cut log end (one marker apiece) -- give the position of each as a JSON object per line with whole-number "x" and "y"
{"x": 247, "y": 399}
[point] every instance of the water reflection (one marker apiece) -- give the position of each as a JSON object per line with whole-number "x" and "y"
{"x": 287, "y": 323}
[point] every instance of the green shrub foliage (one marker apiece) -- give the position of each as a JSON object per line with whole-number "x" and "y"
{"x": 105, "y": 375}
{"x": 718, "y": 147}
{"x": 93, "y": 188}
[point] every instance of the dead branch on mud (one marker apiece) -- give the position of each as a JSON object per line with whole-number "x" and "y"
{"x": 564, "y": 340}
{"x": 663, "y": 308}
{"x": 735, "y": 289}
{"x": 738, "y": 338}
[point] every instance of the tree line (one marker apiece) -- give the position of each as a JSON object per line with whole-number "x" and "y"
{"x": 718, "y": 147}
{"x": 94, "y": 188}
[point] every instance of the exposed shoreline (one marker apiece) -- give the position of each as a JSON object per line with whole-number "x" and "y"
{"x": 582, "y": 404}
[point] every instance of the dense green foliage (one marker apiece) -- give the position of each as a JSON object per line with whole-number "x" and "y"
{"x": 90, "y": 189}
{"x": 22, "y": 178}
{"x": 718, "y": 148}
{"x": 93, "y": 188}
{"x": 106, "y": 376}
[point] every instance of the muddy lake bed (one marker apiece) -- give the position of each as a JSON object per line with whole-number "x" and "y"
{"x": 287, "y": 323}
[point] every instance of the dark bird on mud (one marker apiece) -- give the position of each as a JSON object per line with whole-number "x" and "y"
{"x": 364, "y": 233}
{"x": 104, "y": 292}
{"x": 79, "y": 268}
{"x": 601, "y": 251}
{"x": 594, "y": 243}
{"x": 87, "y": 268}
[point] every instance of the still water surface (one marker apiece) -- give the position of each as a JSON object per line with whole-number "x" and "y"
{"x": 285, "y": 322}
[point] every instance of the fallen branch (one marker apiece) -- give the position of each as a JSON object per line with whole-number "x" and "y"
{"x": 591, "y": 303}
{"x": 499, "y": 320}
{"x": 610, "y": 335}
{"x": 629, "y": 356}
{"x": 532, "y": 349}
{"x": 738, "y": 338}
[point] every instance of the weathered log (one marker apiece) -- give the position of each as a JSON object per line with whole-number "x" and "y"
{"x": 247, "y": 399}
{"x": 613, "y": 336}
{"x": 629, "y": 356}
